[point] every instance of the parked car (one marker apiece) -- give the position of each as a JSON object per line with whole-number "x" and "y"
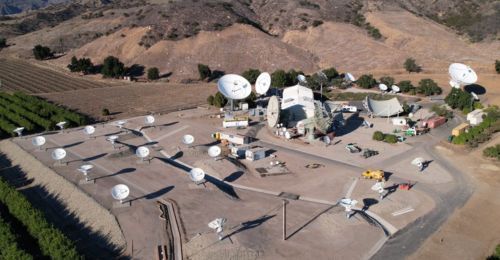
{"x": 369, "y": 153}
{"x": 353, "y": 148}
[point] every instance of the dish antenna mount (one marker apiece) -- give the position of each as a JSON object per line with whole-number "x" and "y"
{"x": 61, "y": 125}
{"x": 218, "y": 225}
{"x": 19, "y": 131}
{"x": 85, "y": 170}
{"x": 348, "y": 204}
{"x": 461, "y": 74}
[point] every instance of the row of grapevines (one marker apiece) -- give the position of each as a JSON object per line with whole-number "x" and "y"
{"x": 9, "y": 248}
{"x": 44, "y": 123}
{"x": 17, "y": 119}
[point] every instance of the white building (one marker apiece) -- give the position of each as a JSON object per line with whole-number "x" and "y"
{"x": 475, "y": 117}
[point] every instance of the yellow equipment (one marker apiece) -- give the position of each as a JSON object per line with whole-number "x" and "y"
{"x": 373, "y": 174}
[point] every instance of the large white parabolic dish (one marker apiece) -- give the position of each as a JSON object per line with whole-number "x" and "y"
{"x": 120, "y": 192}
{"x": 273, "y": 111}
{"x": 263, "y": 83}
{"x": 462, "y": 74}
{"x": 234, "y": 86}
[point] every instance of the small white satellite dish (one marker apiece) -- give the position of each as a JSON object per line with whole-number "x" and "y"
{"x": 288, "y": 135}
{"x": 234, "y": 86}
{"x": 196, "y": 174}
{"x": 142, "y": 152}
{"x": 273, "y": 111}
{"x": 38, "y": 141}
{"x": 112, "y": 139}
{"x": 474, "y": 95}
{"x": 382, "y": 87}
{"x": 327, "y": 140}
{"x": 378, "y": 186}
{"x": 58, "y": 154}
{"x": 462, "y": 74}
{"x": 301, "y": 78}
{"x": 85, "y": 168}
{"x": 19, "y": 131}
{"x": 218, "y": 225}
{"x": 214, "y": 151}
{"x": 187, "y": 139}
{"x": 263, "y": 83}
{"x": 149, "y": 120}
{"x": 89, "y": 130}
{"x": 418, "y": 161}
{"x": 120, "y": 123}
{"x": 349, "y": 77}
{"x": 120, "y": 192}
{"x": 395, "y": 88}
{"x": 61, "y": 124}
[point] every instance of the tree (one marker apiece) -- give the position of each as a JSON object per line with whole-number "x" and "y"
{"x": 279, "y": 78}
{"x": 105, "y": 112}
{"x": 388, "y": 81}
{"x": 153, "y": 73}
{"x": 428, "y": 87}
{"x": 251, "y": 75}
{"x": 390, "y": 138}
{"x": 42, "y": 52}
{"x": 84, "y": 65}
{"x": 411, "y": 66}
{"x": 112, "y": 67}
{"x": 251, "y": 99}
{"x": 204, "y": 71}
{"x": 210, "y": 100}
{"x": 378, "y": 136}
{"x": 366, "y": 81}
{"x": 405, "y": 86}
{"x": 497, "y": 66}
{"x": 73, "y": 65}
{"x": 219, "y": 100}
{"x": 291, "y": 77}
{"x": 331, "y": 73}
{"x": 3, "y": 43}
{"x": 459, "y": 99}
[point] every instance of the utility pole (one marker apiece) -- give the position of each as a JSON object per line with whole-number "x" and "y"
{"x": 284, "y": 219}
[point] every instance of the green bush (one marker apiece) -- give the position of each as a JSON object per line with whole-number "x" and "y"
{"x": 279, "y": 78}
{"x": 405, "y": 86}
{"x": 112, "y": 67}
{"x": 42, "y": 52}
{"x": 388, "y": 81}
{"x": 210, "y": 100}
{"x": 153, "y": 73}
{"x": 9, "y": 249}
{"x": 84, "y": 65}
{"x": 105, "y": 112}
{"x": 52, "y": 242}
{"x": 492, "y": 151}
{"x": 378, "y": 136}
{"x": 390, "y": 138}
{"x": 251, "y": 75}
{"x": 410, "y": 65}
{"x": 366, "y": 81}
{"x": 317, "y": 23}
{"x": 428, "y": 87}
{"x": 331, "y": 73}
{"x": 204, "y": 71}
{"x": 219, "y": 100}
{"x": 459, "y": 99}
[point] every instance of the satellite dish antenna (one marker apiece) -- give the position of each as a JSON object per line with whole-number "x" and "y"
{"x": 395, "y": 88}
{"x": 142, "y": 152}
{"x": 85, "y": 170}
{"x": 379, "y": 187}
{"x": 120, "y": 192}
{"x": 19, "y": 131}
{"x": 214, "y": 151}
{"x": 417, "y": 161}
{"x": 61, "y": 125}
{"x": 197, "y": 175}
{"x": 112, "y": 139}
{"x": 89, "y": 130}
{"x": 187, "y": 139}
{"x": 462, "y": 74}
{"x": 474, "y": 95}
{"x": 149, "y": 120}
{"x": 302, "y": 79}
{"x": 348, "y": 204}
{"x": 327, "y": 140}
{"x": 263, "y": 83}
{"x": 288, "y": 135}
{"x": 38, "y": 141}
{"x": 382, "y": 87}
{"x": 233, "y": 87}
{"x": 58, "y": 154}
{"x": 349, "y": 77}
{"x": 218, "y": 225}
{"x": 273, "y": 111}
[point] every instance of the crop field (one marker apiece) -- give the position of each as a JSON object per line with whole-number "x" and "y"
{"x": 33, "y": 113}
{"x": 17, "y": 75}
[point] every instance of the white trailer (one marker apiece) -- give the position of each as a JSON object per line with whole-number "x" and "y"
{"x": 234, "y": 123}
{"x": 239, "y": 151}
{"x": 255, "y": 154}
{"x": 232, "y": 138}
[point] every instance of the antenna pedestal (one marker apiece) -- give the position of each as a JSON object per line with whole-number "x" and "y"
{"x": 60, "y": 164}
{"x": 85, "y": 181}
{"x": 125, "y": 204}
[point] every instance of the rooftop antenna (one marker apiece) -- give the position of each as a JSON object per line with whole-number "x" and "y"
{"x": 273, "y": 111}
{"x": 59, "y": 154}
{"x": 214, "y": 152}
{"x": 348, "y": 204}
{"x": 142, "y": 152}
{"x": 85, "y": 170}
{"x": 395, "y": 88}
{"x": 120, "y": 192}
{"x": 233, "y": 87}
{"x": 461, "y": 74}
{"x": 18, "y": 131}
{"x": 379, "y": 187}
{"x": 61, "y": 125}
{"x": 112, "y": 139}
{"x": 197, "y": 175}
{"x": 302, "y": 79}
{"x": 38, "y": 141}
{"x": 188, "y": 140}
{"x": 383, "y": 87}
{"x": 218, "y": 225}
{"x": 419, "y": 162}
{"x": 89, "y": 130}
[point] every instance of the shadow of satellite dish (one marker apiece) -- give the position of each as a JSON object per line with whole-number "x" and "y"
{"x": 476, "y": 88}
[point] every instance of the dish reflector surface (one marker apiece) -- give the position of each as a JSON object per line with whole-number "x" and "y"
{"x": 89, "y": 129}
{"x": 187, "y": 139}
{"x": 263, "y": 83}
{"x": 120, "y": 192}
{"x": 234, "y": 86}
{"x": 462, "y": 74}
{"x": 214, "y": 151}
{"x": 142, "y": 152}
{"x": 273, "y": 111}
{"x": 350, "y": 77}
{"x": 395, "y": 88}
{"x": 382, "y": 87}
{"x": 58, "y": 154}
{"x": 196, "y": 174}
{"x": 38, "y": 141}
{"x": 149, "y": 119}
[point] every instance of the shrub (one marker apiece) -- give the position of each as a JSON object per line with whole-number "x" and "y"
{"x": 331, "y": 73}
{"x": 42, "y": 52}
{"x": 9, "y": 249}
{"x": 112, "y": 67}
{"x": 405, "y": 86}
{"x": 428, "y": 87}
{"x": 291, "y": 77}
{"x": 81, "y": 65}
{"x": 317, "y": 23}
{"x": 153, "y": 73}
{"x": 105, "y": 112}
{"x": 204, "y": 71}
{"x": 389, "y": 81}
{"x": 219, "y": 100}
{"x": 497, "y": 66}
{"x": 410, "y": 65}
{"x": 251, "y": 75}
{"x": 279, "y": 78}
{"x": 366, "y": 81}
{"x": 210, "y": 100}
{"x": 459, "y": 99}
{"x": 378, "y": 136}
{"x": 390, "y": 138}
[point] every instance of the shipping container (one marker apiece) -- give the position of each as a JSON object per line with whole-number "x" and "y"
{"x": 459, "y": 129}
{"x": 255, "y": 154}
{"x": 436, "y": 121}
